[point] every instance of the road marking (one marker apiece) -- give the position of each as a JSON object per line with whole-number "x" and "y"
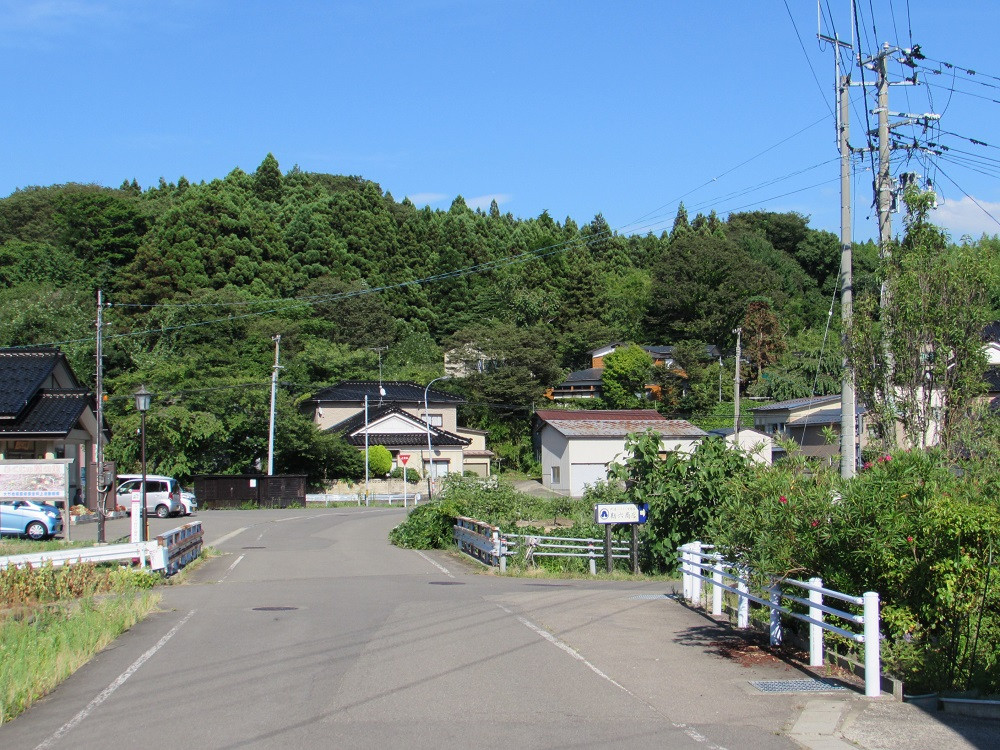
{"x": 290, "y": 518}
{"x": 227, "y": 537}
{"x": 689, "y": 731}
{"x": 436, "y": 564}
{"x": 106, "y": 693}
{"x": 235, "y": 563}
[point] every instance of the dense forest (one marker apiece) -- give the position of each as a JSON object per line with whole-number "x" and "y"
{"x": 199, "y": 277}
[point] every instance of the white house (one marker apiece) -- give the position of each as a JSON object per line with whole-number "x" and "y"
{"x": 758, "y": 446}
{"x": 575, "y": 447}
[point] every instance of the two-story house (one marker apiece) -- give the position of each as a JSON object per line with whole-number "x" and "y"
{"x": 392, "y": 414}
{"x": 46, "y": 414}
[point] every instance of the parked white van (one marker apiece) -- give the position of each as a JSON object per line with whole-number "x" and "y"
{"x": 163, "y": 494}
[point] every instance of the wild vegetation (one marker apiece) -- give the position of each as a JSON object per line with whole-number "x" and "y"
{"x": 53, "y": 620}
{"x": 199, "y": 277}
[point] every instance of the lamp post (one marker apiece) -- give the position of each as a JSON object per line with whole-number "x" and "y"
{"x": 427, "y": 421}
{"x": 142, "y": 399}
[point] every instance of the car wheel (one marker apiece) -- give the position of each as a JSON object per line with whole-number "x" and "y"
{"x": 36, "y": 530}
{"x": 162, "y": 511}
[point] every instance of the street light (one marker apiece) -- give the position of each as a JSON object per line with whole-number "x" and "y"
{"x": 142, "y": 399}
{"x": 427, "y": 421}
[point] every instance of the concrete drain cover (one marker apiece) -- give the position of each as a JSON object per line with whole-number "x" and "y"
{"x": 813, "y": 685}
{"x": 651, "y": 596}
{"x": 274, "y": 609}
{"x": 446, "y": 583}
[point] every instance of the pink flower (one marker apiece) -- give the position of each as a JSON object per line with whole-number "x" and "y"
{"x": 782, "y": 499}
{"x": 815, "y": 524}
{"x": 909, "y": 539}
{"x": 868, "y": 465}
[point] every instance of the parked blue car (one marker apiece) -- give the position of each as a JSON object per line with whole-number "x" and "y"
{"x": 27, "y": 518}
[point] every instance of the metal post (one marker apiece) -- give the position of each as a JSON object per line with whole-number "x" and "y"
{"x": 593, "y": 558}
{"x": 775, "y": 599}
{"x": 873, "y": 659}
{"x": 717, "y": 586}
{"x": 736, "y": 384}
{"x": 144, "y": 522}
{"x": 608, "y": 559}
{"x": 815, "y": 631}
{"x": 99, "y": 407}
{"x": 635, "y": 549}
{"x": 427, "y": 421}
{"x": 686, "y": 572}
{"x": 366, "y": 450}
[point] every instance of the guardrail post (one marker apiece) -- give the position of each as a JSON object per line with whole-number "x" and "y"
{"x": 815, "y": 631}
{"x": 717, "y": 586}
{"x": 743, "y": 604}
{"x": 593, "y": 557}
{"x": 775, "y": 598}
{"x": 685, "y": 572}
{"x": 873, "y": 664}
{"x": 498, "y": 551}
{"x": 695, "y": 581}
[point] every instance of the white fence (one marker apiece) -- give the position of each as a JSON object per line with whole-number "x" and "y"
{"x": 168, "y": 552}
{"x": 490, "y": 545}
{"x": 357, "y": 498}
{"x": 699, "y": 564}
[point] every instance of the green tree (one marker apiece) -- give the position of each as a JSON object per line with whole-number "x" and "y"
{"x": 626, "y": 373}
{"x": 267, "y": 180}
{"x": 917, "y": 355}
{"x": 379, "y": 460}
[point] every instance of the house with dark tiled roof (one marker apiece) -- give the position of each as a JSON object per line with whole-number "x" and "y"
{"x": 45, "y": 413}
{"x": 396, "y": 419}
{"x": 575, "y": 447}
{"x": 587, "y": 383}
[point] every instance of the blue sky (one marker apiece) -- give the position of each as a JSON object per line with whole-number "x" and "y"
{"x": 574, "y": 107}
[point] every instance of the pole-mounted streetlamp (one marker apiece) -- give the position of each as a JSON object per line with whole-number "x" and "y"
{"x": 142, "y": 400}
{"x": 427, "y": 421}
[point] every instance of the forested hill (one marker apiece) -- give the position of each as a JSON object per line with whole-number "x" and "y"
{"x": 201, "y": 276}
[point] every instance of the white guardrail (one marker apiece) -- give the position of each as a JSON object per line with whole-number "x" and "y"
{"x": 698, "y": 564}
{"x": 376, "y": 497}
{"x": 168, "y": 552}
{"x": 490, "y": 545}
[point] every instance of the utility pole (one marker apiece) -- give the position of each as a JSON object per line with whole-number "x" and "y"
{"x": 848, "y": 423}
{"x": 736, "y": 384}
{"x": 99, "y": 462}
{"x": 274, "y": 388}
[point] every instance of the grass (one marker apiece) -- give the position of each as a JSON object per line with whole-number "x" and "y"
{"x": 46, "y": 644}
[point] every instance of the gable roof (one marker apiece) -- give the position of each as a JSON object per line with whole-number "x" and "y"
{"x": 615, "y": 423}
{"x": 797, "y": 403}
{"x": 354, "y": 391}
{"x": 22, "y": 373}
{"x": 353, "y": 430}
{"x": 51, "y": 413}
{"x": 992, "y": 331}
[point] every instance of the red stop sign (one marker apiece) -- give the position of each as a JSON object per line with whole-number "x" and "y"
{"x": 404, "y": 457}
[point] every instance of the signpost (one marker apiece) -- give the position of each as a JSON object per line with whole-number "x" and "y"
{"x": 403, "y": 458}
{"x": 627, "y": 513}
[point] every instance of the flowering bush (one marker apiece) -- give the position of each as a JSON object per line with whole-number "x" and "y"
{"x": 912, "y": 527}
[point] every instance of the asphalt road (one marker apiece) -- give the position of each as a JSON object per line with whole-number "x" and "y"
{"x": 312, "y": 631}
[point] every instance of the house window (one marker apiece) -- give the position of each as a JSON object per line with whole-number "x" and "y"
{"x": 556, "y": 479}
{"x": 434, "y": 420}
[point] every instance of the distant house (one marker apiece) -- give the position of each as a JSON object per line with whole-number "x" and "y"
{"x": 805, "y": 420}
{"x": 396, "y": 419}
{"x": 575, "y": 447}
{"x": 587, "y": 383}
{"x": 757, "y": 445}
{"x": 991, "y": 344}
{"x": 45, "y": 413}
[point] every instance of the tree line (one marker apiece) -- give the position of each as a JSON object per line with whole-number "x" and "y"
{"x": 199, "y": 277}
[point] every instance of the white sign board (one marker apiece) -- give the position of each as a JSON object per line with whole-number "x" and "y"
{"x": 136, "y": 516}
{"x": 616, "y": 513}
